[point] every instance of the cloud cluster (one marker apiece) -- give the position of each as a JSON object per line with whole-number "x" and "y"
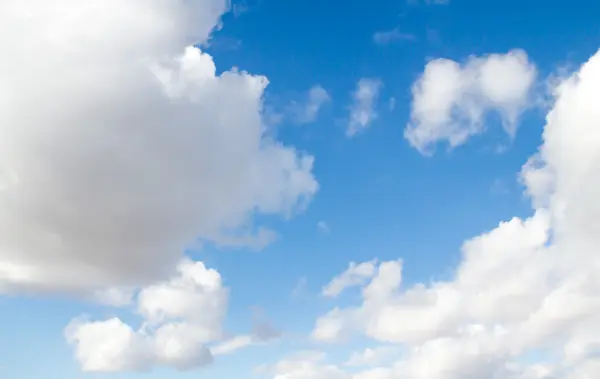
{"x": 362, "y": 110}
{"x": 450, "y": 100}
{"x": 121, "y": 146}
{"x": 181, "y": 316}
{"x": 523, "y": 302}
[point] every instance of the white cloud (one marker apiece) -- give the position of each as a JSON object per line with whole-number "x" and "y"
{"x": 355, "y": 275}
{"x": 450, "y": 100}
{"x": 181, "y": 316}
{"x": 528, "y": 288}
{"x": 121, "y": 146}
{"x": 362, "y": 111}
{"x": 306, "y": 113}
{"x": 389, "y": 36}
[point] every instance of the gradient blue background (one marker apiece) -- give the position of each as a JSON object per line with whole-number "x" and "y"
{"x": 378, "y": 195}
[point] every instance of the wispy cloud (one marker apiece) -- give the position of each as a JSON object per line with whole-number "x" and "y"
{"x": 389, "y": 36}
{"x": 240, "y": 8}
{"x": 307, "y": 112}
{"x": 428, "y": 2}
{"x": 323, "y": 227}
{"x": 362, "y": 111}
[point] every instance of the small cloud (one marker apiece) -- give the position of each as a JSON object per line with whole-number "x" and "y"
{"x": 450, "y": 100}
{"x": 389, "y": 36}
{"x": 323, "y": 227}
{"x": 362, "y": 111}
{"x": 308, "y": 112}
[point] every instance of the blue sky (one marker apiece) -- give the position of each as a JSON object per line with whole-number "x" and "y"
{"x": 378, "y": 197}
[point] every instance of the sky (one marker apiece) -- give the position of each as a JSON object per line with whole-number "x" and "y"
{"x": 397, "y": 189}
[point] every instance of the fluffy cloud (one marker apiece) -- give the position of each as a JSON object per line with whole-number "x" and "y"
{"x": 362, "y": 111}
{"x": 121, "y": 145}
{"x": 306, "y": 113}
{"x": 181, "y": 316}
{"x": 523, "y": 302}
{"x": 450, "y": 100}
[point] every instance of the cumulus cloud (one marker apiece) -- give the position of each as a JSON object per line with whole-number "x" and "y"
{"x": 362, "y": 111}
{"x": 122, "y": 146}
{"x": 523, "y": 302}
{"x": 308, "y": 112}
{"x": 450, "y": 100}
{"x": 181, "y": 316}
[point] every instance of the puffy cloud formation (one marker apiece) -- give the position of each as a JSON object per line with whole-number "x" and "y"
{"x": 181, "y": 316}
{"x": 362, "y": 110}
{"x": 121, "y": 145}
{"x": 450, "y": 100}
{"x": 524, "y": 301}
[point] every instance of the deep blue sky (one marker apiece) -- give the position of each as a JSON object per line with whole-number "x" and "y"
{"x": 379, "y": 196}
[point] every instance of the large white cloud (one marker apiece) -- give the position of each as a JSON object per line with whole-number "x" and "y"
{"x": 524, "y": 301}
{"x": 121, "y": 145}
{"x": 450, "y": 100}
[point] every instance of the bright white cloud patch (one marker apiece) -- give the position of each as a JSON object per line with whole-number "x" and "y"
{"x": 181, "y": 316}
{"x": 120, "y": 145}
{"x": 524, "y": 301}
{"x": 362, "y": 111}
{"x": 450, "y": 100}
